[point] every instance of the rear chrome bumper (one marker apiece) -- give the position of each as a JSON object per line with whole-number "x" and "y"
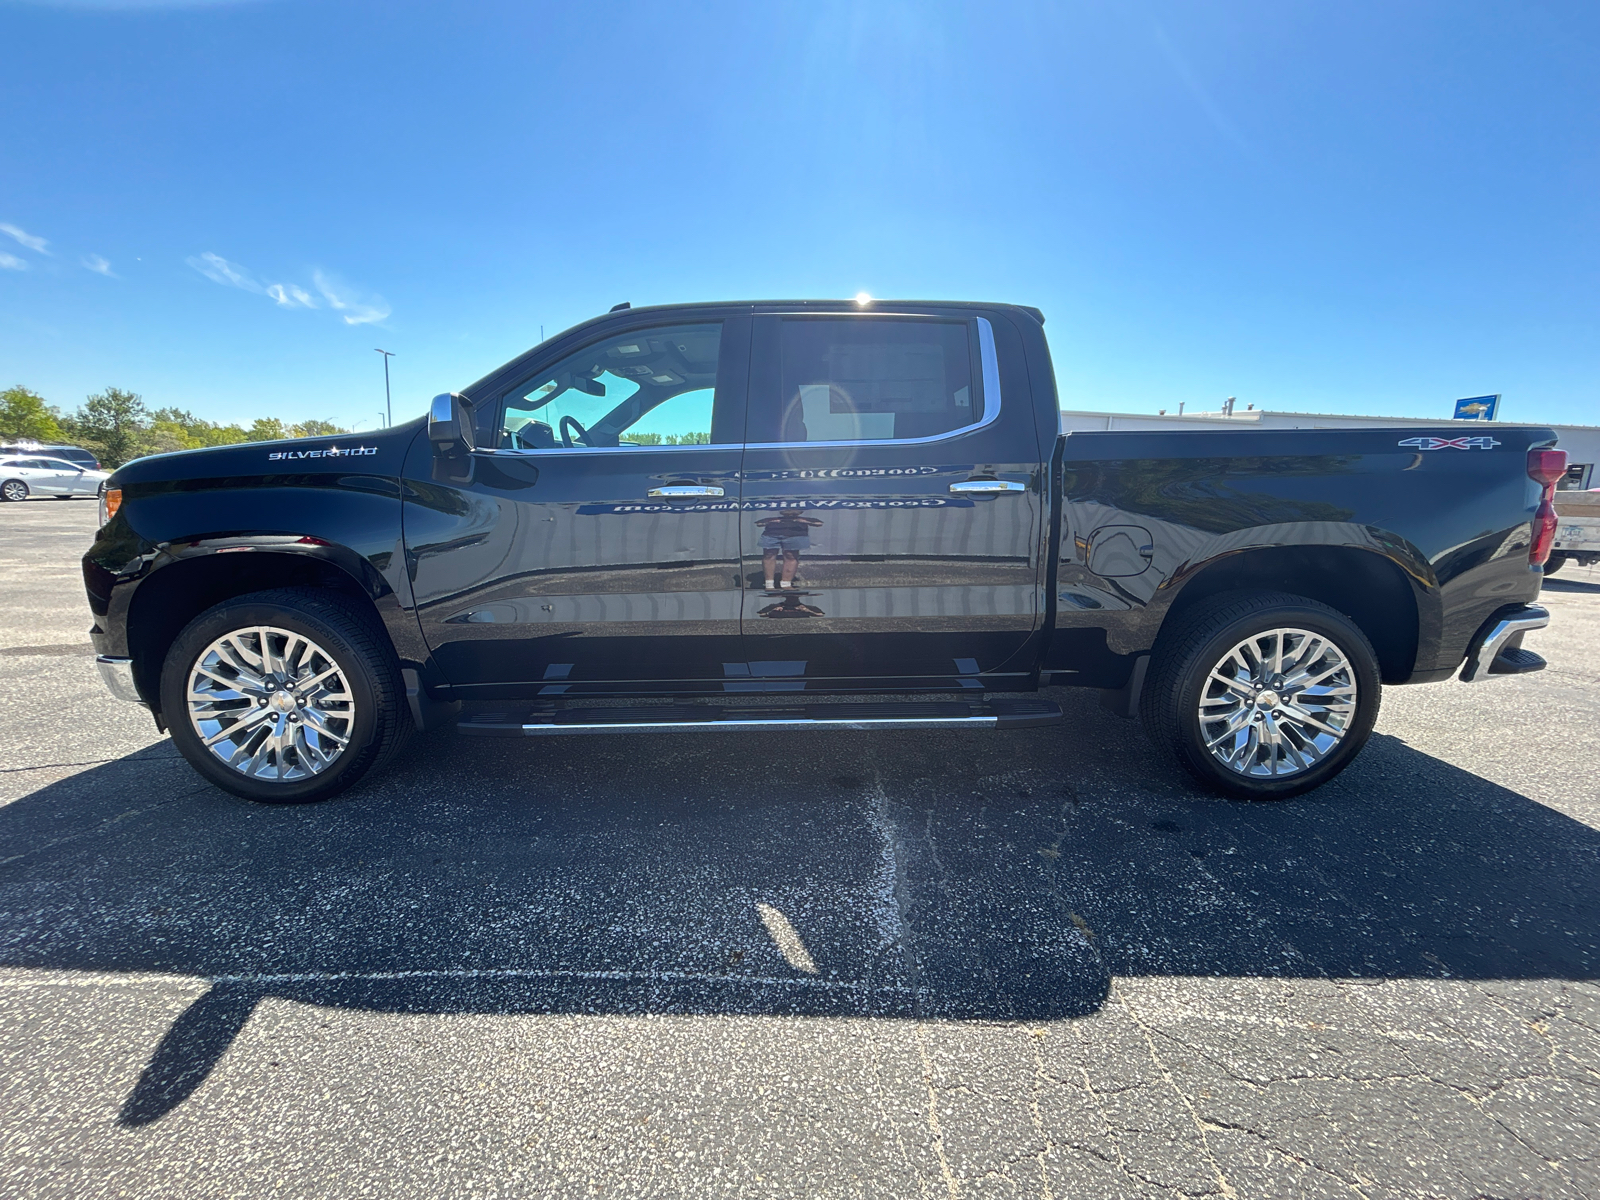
{"x": 117, "y": 674}
{"x": 1496, "y": 650}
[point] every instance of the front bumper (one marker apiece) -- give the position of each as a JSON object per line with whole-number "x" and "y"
{"x": 117, "y": 674}
{"x": 1496, "y": 649}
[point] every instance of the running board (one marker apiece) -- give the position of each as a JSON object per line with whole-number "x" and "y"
{"x": 990, "y": 714}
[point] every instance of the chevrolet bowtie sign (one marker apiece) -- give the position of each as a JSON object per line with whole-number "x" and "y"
{"x": 1477, "y": 408}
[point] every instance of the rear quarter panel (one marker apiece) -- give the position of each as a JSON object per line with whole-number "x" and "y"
{"x": 1146, "y": 513}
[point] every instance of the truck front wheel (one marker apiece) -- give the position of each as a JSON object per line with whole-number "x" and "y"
{"x": 1262, "y": 695}
{"x": 285, "y": 696}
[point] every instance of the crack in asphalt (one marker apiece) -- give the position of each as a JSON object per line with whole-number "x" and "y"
{"x": 92, "y": 762}
{"x": 1224, "y": 1188}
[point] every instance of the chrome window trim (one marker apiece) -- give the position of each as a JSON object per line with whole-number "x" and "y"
{"x": 989, "y": 365}
{"x": 989, "y": 368}
{"x": 607, "y": 449}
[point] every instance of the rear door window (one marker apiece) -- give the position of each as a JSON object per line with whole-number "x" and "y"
{"x": 868, "y": 379}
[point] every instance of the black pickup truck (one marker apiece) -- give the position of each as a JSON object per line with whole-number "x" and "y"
{"x": 789, "y": 515}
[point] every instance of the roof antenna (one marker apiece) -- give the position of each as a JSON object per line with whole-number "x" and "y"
{"x": 620, "y": 307}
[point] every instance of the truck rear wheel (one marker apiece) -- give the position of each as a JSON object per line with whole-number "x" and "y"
{"x": 285, "y": 697}
{"x": 1262, "y": 695}
{"x": 1554, "y": 563}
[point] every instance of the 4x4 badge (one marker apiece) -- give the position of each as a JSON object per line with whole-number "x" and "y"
{"x": 1460, "y": 443}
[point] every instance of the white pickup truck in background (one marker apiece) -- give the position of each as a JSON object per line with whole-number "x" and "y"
{"x": 1578, "y": 533}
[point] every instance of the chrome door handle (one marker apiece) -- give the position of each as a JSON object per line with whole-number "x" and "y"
{"x": 679, "y": 491}
{"x": 987, "y": 487}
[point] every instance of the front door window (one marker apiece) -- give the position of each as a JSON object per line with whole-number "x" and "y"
{"x": 651, "y": 387}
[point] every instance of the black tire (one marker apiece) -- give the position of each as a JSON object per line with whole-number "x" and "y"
{"x": 13, "y": 490}
{"x": 1180, "y": 671}
{"x": 66, "y": 497}
{"x": 1554, "y": 563}
{"x": 381, "y": 724}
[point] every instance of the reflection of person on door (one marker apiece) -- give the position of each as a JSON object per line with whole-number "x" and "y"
{"x": 788, "y": 533}
{"x": 790, "y": 606}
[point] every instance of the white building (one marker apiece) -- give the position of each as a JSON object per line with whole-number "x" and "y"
{"x": 1581, "y": 442}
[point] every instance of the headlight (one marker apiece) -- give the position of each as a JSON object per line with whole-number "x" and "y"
{"x": 110, "y": 501}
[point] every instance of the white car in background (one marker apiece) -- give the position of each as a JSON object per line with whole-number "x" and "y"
{"x": 24, "y": 475}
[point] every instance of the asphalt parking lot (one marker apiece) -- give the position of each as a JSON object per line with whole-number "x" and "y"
{"x": 901, "y": 964}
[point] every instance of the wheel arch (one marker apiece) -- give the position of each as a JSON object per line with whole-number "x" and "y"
{"x": 169, "y": 598}
{"x": 1369, "y": 588}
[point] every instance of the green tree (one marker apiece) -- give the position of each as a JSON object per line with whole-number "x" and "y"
{"x": 113, "y": 424}
{"x": 315, "y": 429}
{"x": 266, "y": 429}
{"x": 226, "y": 435}
{"x": 24, "y": 414}
{"x": 179, "y": 429}
{"x": 174, "y": 429}
{"x": 163, "y": 437}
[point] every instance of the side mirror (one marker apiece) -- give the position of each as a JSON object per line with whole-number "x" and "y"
{"x": 450, "y": 424}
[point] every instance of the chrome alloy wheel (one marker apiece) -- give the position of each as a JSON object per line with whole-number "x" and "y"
{"x": 1278, "y": 703}
{"x": 271, "y": 704}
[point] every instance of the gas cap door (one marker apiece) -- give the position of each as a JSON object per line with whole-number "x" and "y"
{"x": 1120, "y": 551}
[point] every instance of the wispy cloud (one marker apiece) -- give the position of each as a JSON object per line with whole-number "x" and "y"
{"x": 219, "y": 270}
{"x": 354, "y": 307}
{"x": 290, "y": 296}
{"x": 37, "y": 244}
{"x": 10, "y": 262}
{"x": 99, "y": 265}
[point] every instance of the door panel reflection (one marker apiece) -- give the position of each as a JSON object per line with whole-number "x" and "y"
{"x": 580, "y": 571}
{"x": 900, "y": 574}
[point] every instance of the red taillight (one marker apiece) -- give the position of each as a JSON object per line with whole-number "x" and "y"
{"x": 1544, "y": 532}
{"x": 1544, "y": 468}
{"x": 1547, "y": 466}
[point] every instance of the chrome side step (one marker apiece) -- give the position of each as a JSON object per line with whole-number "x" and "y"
{"x": 675, "y": 718}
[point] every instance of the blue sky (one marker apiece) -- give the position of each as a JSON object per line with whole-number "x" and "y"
{"x": 1356, "y": 207}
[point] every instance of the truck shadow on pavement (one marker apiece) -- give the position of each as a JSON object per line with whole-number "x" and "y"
{"x": 904, "y": 875}
{"x": 1580, "y": 586}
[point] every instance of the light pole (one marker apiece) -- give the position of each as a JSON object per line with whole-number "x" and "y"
{"x": 388, "y": 406}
